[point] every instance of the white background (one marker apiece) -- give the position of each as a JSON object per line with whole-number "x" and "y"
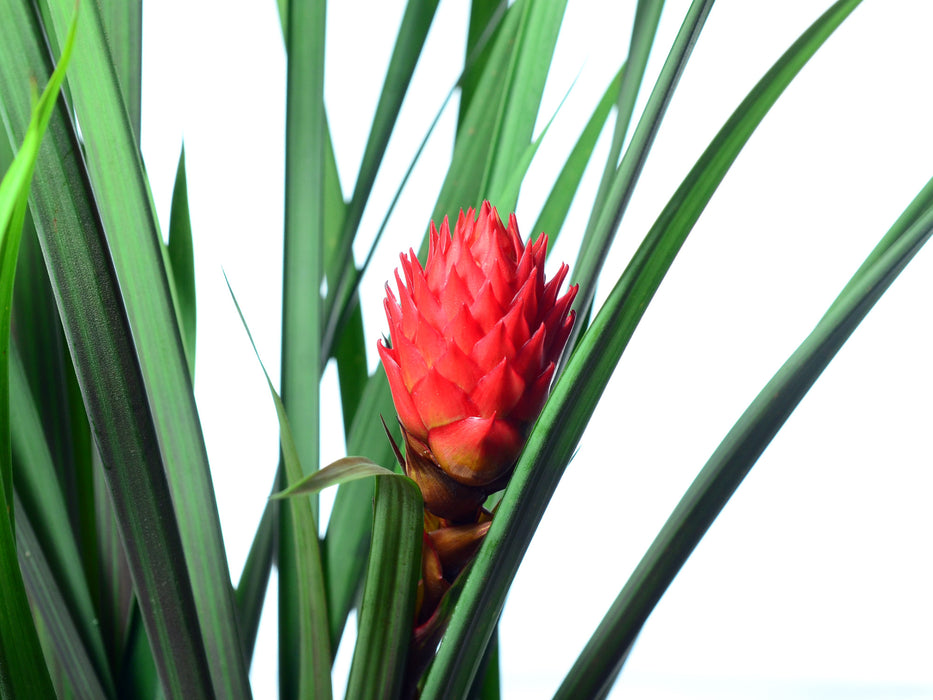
{"x": 816, "y": 579}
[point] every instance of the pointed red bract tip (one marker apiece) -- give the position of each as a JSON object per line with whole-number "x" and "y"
{"x": 477, "y": 333}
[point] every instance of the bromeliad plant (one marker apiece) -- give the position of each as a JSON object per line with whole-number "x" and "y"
{"x": 106, "y": 484}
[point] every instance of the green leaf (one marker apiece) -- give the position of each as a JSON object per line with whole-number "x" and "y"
{"x": 347, "y": 543}
{"x": 254, "y": 581}
{"x": 303, "y": 274}
{"x": 135, "y": 382}
{"x": 558, "y": 429}
{"x": 473, "y": 149}
{"x": 123, "y": 25}
{"x": 486, "y": 685}
{"x": 601, "y": 660}
{"x": 23, "y": 671}
{"x": 419, "y": 14}
{"x": 644, "y": 31}
{"x": 44, "y": 505}
{"x": 388, "y": 608}
{"x": 342, "y": 471}
{"x": 484, "y": 18}
{"x": 618, "y": 184}
{"x": 523, "y": 85}
{"x": 557, "y": 204}
{"x": 387, "y": 611}
{"x": 340, "y": 310}
{"x": 181, "y": 259}
{"x": 87, "y": 679}
{"x": 313, "y": 652}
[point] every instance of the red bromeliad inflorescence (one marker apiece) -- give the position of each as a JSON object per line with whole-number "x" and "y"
{"x": 476, "y": 336}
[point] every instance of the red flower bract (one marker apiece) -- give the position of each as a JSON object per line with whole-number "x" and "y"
{"x": 476, "y": 335}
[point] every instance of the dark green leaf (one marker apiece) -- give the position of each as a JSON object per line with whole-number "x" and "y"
{"x": 23, "y": 671}
{"x": 38, "y": 490}
{"x": 86, "y": 678}
{"x": 91, "y": 303}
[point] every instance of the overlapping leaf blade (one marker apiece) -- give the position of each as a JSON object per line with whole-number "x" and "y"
{"x": 23, "y": 671}
{"x": 601, "y": 660}
{"x": 618, "y": 183}
{"x": 302, "y": 276}
{"x": 313, "y": 648}
{"x": 90, "y": 300}
{"x": 577, "y": 391}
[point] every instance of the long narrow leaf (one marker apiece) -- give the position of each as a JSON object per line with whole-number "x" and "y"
{"x": 600, "y": 661}
{"x": 302, "y": 276}
{"x": 617, "y": 187}
{"x": 388, "y": 607}
{"x": 86, "y": 678}
{"x": 387, "y": 611}
{"x": 181, "y": 258}
{"x": 91, "y": 305}
{"x": 419, "y": 14}
{"x": 23, "y": 671}
{"x": 554, "y": 212}
{"x": 578, "y": 389}
{"x": 123, "y": 25}
{"x": 135, "y": 248}
{"x": 38, "y": 488}
{"x": 523, "y": 86}
{"x": 644, "y": 31}
{"x": 313, "y": 652}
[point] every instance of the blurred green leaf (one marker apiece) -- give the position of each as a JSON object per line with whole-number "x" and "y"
{"x": 558, "y": 429}
{"x": 409, "y": 42}
{"x": 473, "y": 149}
{"x": 484, "y": 19}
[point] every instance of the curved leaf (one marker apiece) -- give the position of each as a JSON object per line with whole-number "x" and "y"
{"x": 603, "y": 656}
{"x": 555, "y": 435}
